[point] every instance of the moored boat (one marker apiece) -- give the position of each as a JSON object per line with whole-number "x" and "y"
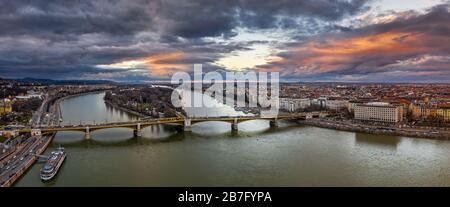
{"x": 54, "y": 162}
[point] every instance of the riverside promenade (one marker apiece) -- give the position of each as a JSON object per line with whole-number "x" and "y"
{"x": 418, "y": 132}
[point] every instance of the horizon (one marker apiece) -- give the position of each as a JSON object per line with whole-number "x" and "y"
{"x": 357, "y": 41}
{"x": 168, "y": 81}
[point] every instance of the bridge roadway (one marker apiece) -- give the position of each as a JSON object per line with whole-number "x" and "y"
{"x": 187, "y": 123}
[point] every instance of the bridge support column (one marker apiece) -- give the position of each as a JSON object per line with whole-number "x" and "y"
{"x": 87, "y": 134}
{"x": 273, "y": 123}
{"x": 234, "y": 125}
{"x": 187, "y": 125}
{"x": 137, "y": 132}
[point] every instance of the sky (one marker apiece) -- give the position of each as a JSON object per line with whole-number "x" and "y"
{"x": 303, "y": 40}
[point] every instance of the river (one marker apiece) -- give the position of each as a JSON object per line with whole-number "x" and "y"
{"x": 257, "y": 155}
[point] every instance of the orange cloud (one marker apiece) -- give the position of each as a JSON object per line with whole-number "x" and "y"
{"x": 363, "y": 52}
{"x": 162, "y": 65}
{"x": 373, "y": 44}
{"x": 165, "y": 64}
{"x": 335, "y": 54}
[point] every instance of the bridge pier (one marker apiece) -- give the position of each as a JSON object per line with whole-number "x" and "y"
{"x": 187, "y": 127}
{"x": 234, "y": 125}
{"x": 87, "y": 134}
{"x": 273, "y": 123}
{"x": 137, "y": 132}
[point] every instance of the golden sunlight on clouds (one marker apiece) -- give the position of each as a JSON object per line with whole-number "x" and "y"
{"x": 166, "y": 64}
{"x": 161, "y": 65}
{"x": 129, "y": 64}
{"x": 335, "y": 54}
{"x": 248, "y": 59}
{"x": 369, "y": 45}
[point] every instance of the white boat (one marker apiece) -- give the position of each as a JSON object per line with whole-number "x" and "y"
{"x": 54, "y": 162}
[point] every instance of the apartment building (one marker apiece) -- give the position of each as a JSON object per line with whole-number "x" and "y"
{"x": 336, "y": 105}
{"x": 421, "y": 112}
{"x": 379, "y": 111}
{"x": 291, "y": 105}
{"x": 5, "y": 107}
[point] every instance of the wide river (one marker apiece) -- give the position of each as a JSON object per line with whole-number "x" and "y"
{"x": 211, "y": 155}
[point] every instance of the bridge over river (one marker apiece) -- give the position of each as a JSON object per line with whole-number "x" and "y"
{"x": 187, "y": 123}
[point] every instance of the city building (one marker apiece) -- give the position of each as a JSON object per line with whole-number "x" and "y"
{"x": 9, "y": 133}
{"x": 292, "y": 105}
{"x": 5, "y": 107}
{"x": 424, "y": 111}
{"x": 379, "y": 111}
{"x": 352, "y": 104}
{"x": 30, "y": 94}
{"x": 321, "y": 102}
{"x": 336, "y": 105}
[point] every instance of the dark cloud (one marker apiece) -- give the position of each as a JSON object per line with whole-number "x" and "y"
{"x": 67, "y": 39}
{"x": 76, "y": 17}
{"x": 411, "y": 47}
{"x": 254, "y": 13}
{"x": 200, "y": 18}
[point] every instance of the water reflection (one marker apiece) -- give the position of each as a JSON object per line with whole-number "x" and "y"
{"x": 124, "y": 141}
{"x": 378, "y": 140}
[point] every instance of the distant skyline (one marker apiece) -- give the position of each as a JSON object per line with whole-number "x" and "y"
{"x": 309, "y": 40}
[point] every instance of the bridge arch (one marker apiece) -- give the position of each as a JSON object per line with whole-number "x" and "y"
{"x": 94, "y": 129}
{"x": 237, "y": 121}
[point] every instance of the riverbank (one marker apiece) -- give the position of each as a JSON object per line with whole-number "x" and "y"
{"x": 80, "y": 94}
{"x": 52, "y": 108}
{"x": 59, "y": 100}
{"x": 125, "y": 109}
{"x": 382, "y": 130}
